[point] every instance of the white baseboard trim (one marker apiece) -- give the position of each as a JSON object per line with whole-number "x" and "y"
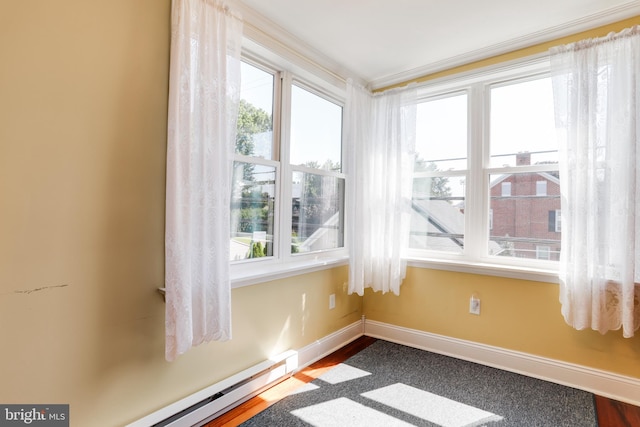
{"x": 327, "y": 345}
{"x": 603, "y": 383}
{"x": 240, "y": 387}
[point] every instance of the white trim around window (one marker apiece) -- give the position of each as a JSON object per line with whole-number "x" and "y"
{"x": 475, "y": 257}
{"x": 283, "y": 263}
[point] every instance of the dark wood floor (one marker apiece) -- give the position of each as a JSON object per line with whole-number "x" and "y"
{"x": 611, "y": 413}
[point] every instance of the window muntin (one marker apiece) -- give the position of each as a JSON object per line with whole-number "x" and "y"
{"x": 437, "y": 215}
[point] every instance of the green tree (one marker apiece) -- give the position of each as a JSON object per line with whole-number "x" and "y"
{"x": 253, "y": 209}
{"x": 251, "y": 121}
{"x": 438, "y": 186}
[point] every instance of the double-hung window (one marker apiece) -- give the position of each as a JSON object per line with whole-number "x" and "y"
{"x": 255, "y": 169}
{"x": 486, "y": 181}
{"x": 440, "y": 174}
{"x": 523, "y": 152}
{"x": 287, "y": 203}
{"x": 317, "y": 185}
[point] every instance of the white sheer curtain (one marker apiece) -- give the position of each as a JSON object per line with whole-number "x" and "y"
{"x": 204, "y": 90}
{"x": 597, "y": 99}
{"x": 380, "y": 136}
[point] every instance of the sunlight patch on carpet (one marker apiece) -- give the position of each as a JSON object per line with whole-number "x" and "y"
{"x": 346, "y": 412}
{"x": 430, "y": 407}
{"x": 341, "y": 373}
{"x": 305, "y": 388}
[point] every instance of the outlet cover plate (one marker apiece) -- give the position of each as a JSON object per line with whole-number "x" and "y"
{"x": 474, "y": 306}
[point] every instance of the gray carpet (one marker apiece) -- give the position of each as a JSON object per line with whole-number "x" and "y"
{"x": 388, "y": 384}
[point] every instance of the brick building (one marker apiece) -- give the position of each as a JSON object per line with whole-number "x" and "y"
{"x": 524, "y": 216}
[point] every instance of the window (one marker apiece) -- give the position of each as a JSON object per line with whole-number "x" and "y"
{"x": 253, "y": 196}
{"x": 506, "y": 189}
{"x": 288, "y": 147}
{"x": 543, "y": 252}
{"x": 318, "y": 184}
{"x": 486, "y": 177}
{"x": 440, "y": 170}
{"x": 523, "y": 149}
{"x": 555, "y": 224}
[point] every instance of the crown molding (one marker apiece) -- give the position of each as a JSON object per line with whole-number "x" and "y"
{"x": 605, "y": 17}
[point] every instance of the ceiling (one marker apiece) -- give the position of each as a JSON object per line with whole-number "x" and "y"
{"x": 384, "y": 42}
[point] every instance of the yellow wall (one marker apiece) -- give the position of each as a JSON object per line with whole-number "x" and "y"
{"x": 83, "y": 101}
{"x": 517, "y": 315}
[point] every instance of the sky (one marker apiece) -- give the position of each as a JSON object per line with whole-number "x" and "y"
{"x": 521, "y": 120}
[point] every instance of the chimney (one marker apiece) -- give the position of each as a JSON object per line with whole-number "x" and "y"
{"x": 523, "y": 159}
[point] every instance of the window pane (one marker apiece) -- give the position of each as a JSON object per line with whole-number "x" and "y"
{"x": 523, "y": 221}
{"x": 252, "y": 210}
{"x": 316, "y": 131}
{"x": 317, "y": 212}
{"x": 522, "y": 124}
{"x": 441, "y": 134}
{"x": 437, "y": 216}
{"x": 541, "y": 188}
{"x": 255, "y": 113}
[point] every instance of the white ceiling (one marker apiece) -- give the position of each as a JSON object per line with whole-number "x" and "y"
{"x": 385, "y": 42}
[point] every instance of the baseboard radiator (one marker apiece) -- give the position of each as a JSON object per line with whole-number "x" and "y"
{"x": 213, "y": 401}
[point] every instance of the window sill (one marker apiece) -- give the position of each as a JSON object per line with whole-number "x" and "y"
{"x": 254, "y": 273}
{"x": 486, "y": 269}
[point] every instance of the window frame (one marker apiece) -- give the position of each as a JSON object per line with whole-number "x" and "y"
{"x": 283, "y": 263}
{"x": 460, "y": 173}
{"x": 475, "y": 259}
{"x": 302, "y": 84}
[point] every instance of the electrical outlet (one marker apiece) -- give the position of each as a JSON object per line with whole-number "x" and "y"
{"x": 474, "y": 305}
{"x": 332, "y": 301}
